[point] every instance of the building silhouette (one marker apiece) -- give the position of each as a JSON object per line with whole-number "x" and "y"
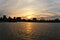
{"x": 34, "y": 19}
{"x": 4, "y": 18}
{"x": 19, "y": 19}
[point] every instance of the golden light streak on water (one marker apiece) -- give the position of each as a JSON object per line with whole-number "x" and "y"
{"x": 29, "y": 28}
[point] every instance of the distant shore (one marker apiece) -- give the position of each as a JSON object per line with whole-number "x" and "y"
{"x": 32, "y": 22}
{"x": 19, "y": 19}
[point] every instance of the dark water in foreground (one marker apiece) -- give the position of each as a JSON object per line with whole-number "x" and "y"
{"x": 29, "y": 31}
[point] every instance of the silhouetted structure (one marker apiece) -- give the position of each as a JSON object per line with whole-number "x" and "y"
{"x": 9, "y": 19}
{"x": 34, "y": 19}
{"x": 4, "y": 18}
{"x": 19, "y": 19}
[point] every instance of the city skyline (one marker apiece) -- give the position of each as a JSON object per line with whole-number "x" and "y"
{"x": 20, "y": 19}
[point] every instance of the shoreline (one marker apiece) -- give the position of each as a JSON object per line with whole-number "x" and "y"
{"x": 32, "y": 22}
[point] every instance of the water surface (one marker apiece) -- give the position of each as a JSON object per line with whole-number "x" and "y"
{"x": 29, "y": 31}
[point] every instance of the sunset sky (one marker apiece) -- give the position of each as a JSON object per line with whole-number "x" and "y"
{"x": 33, "y": 8}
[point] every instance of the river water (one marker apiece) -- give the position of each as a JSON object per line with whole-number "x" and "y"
{"x": 29, "y": 31}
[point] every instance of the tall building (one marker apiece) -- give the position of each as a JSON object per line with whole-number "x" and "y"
{"x": 4, "y": 18}
{"x": 34, "y": 19}
{"x": 18, "y": 18}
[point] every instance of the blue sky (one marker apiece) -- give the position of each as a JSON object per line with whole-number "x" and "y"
{"x": 43, "y": 8}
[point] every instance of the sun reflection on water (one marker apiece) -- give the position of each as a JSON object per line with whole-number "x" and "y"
{"x": 28, "y": 31}
{"x": 29, "y": 28}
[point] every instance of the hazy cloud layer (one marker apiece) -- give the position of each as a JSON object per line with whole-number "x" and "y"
{"x": 23, "y": 7}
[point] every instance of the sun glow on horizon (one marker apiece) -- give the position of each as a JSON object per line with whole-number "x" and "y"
{"x": 28, "y": 12}
{"x": 29, "y": 17}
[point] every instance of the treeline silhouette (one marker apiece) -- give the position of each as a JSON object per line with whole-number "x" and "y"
{"x": 19, "y": 19}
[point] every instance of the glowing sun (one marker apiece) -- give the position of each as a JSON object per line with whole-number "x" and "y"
{"x": 29, "y": 17}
